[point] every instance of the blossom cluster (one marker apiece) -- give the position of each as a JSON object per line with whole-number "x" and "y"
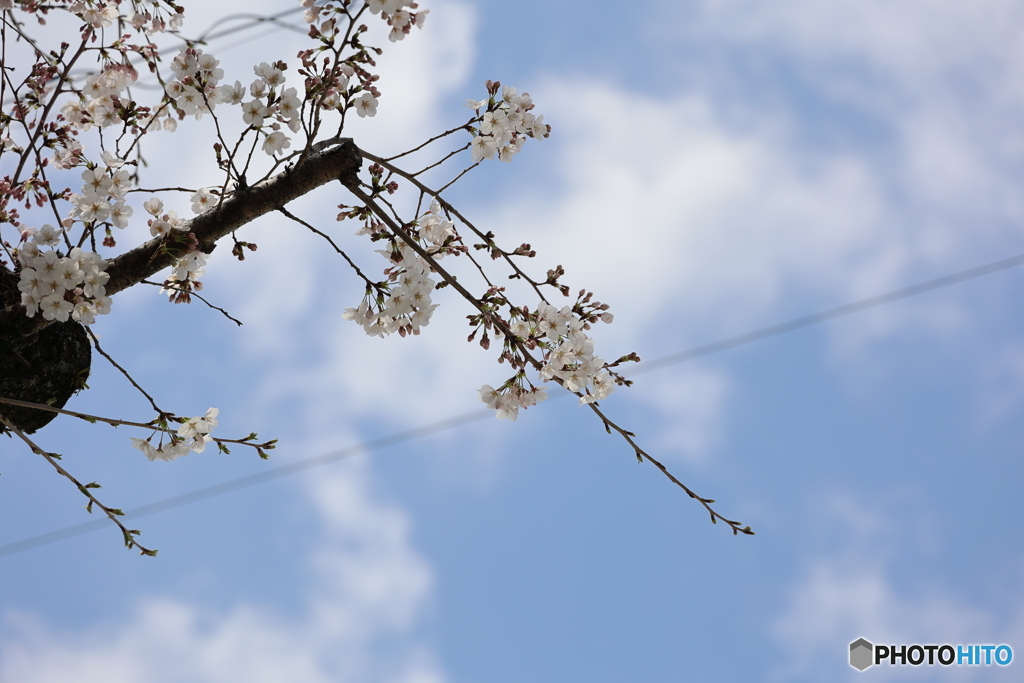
{"x": 196, "y": 91}
{"x": 505, "y": 124}
{"x": 103, "y": 14}
{"x": 98, "y": 105}
{"x": 407, "y": 306}
{"x": 189, "y": 268}
{"x": 61, "y": 287}
{"x": 193, "y": 435}
{"x": 103, "y": 195}
{"x": 568, "y": 357}
{"x": 508, "y": 400}
{"x": 398, "y": 18}
{"x": 97, "y": 15}
{"x": 394, "y": 12}
{"x": 570, "y": 354}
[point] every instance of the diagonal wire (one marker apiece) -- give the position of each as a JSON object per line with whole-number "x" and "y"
{"x": 250, "y": 21}
{"x": 478, "y": 415}
{"x": 247, "y": 481}
{"x": 827, "y": 314}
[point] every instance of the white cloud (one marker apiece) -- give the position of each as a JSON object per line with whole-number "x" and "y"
{"x": 941, "y": 80}
{"x": 677, "y": 214}
{"x": 366, "y": 590}
{"x": 689, "y": 405}
{"x": 849, "y": 592}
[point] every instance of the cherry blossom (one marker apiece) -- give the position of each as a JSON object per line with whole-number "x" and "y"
{"x": 276, "y": 142}
{"x": 203, "y": 200}
{"x": 505, "y": 125}
{"x": 366, "y": 105}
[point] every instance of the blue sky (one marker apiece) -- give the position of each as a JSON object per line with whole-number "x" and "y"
{"x": 715, "y": 166}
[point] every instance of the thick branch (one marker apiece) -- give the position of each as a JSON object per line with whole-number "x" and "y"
{"x": 340, "y": 162}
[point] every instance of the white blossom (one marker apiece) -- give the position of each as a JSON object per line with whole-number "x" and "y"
{"x": 258, "y": 88}
{"x": 47, "y": 236}
{"x": 207, "y": 64}
{"x": 366, "y": 105}
{"x": 276, "y": 142}
{"x": 231, "y": 94}
{"x": 84, "y": 312}
{"x": 91, "y": 207}
{"x": 482, "y": 147}
{"x": 203, "y": 200}
{"x": 95, "y": 181}
{"x": 270, "y": 75}
{"x": 119, "y": 215}
{"x": 153, "y": 206}
{"x": 146, "y": 447}
{"x": 253, "y": 112}
{"x": 191, "y": 266}
{"x": 289, "y": 105}
{"x": 505, "y": 125}
{"x": 55, "y": 307}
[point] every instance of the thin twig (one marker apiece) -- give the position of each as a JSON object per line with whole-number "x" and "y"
{"x": 152, "y": 426}
{"x": 112, "y": 513}
{"x": 436, "y": 137}
{"x": 442, "y": 160}
{"x": 162, "y": 189}
{"x": 198, "y": 296}
{"x": 96, "y": 343}
{"x": 641, "y": 454}
{"x": 85, "y": 416}
{"x": 368, "y": 281}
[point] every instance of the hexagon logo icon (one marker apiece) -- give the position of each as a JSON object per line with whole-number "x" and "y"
{"x": 861, "y": 654}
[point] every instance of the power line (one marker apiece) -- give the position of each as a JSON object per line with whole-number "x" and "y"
{"x": 207, "y": 36}
{"x": 828, "y": 314}
{"x": 478, "y": 415}
{"x": 246, "y": 481}
{"x": 254, "y": 19}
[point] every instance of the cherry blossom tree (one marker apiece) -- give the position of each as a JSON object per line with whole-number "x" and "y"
{"x": 70, "y": 156}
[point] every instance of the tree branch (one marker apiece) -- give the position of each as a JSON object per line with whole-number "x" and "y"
{"x": 340, "y": 162}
